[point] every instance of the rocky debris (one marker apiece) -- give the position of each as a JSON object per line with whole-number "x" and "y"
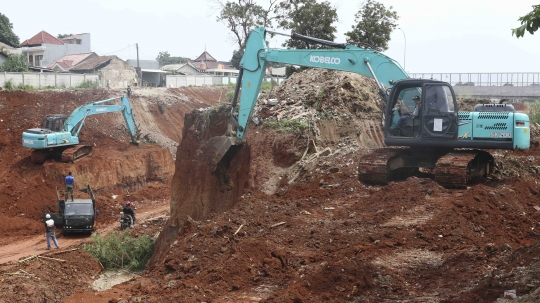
{"x": 316, "y": 94}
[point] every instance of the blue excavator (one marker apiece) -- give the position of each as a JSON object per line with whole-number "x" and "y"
{"x": 58, "y": 136}
{"x": 441, "y": 140}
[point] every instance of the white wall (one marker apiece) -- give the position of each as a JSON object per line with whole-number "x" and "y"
{"x": 43, "y": 80}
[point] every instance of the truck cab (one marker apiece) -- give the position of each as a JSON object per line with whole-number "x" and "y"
{"x": 74, "y": 216}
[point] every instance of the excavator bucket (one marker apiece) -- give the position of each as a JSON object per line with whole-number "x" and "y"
{"x": 217, "y": 148}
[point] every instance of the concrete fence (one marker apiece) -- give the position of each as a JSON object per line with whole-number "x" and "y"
{"x": 43, "y": 80}
{"x": 174, "y": 81}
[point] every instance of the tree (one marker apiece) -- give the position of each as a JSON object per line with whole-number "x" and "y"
{"x": 6, "y": 32}
{"x": 236, "y": 57}
{"x": 374, "y": 23}
{"x": 15, "y": 63}
{"x": 62, "y": 36}
{"x": 529, "y": 22}
{"x": 164, "y": 58}
{"x": 308, "y": 18}
{"x": 243, "y": 16}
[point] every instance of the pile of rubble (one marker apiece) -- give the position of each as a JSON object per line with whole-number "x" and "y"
{"x": 321, "y": 94}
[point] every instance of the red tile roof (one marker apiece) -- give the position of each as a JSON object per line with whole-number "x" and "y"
{"x": 41, "y": 38}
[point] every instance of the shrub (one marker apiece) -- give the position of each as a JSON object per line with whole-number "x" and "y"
{"x": 24, "y": 87}
{"x": 534, "y": 112}
{"x": 121, "y": 250}
{"x": 8, "y": 85}
{"x": 88, "y": 84}
{"x": 228, "y": 96}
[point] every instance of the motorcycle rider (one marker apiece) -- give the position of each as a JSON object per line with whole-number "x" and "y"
{"x": 129, "y": 211}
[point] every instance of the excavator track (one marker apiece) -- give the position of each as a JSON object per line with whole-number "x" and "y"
{"x": 39, "y": 155}
{"x": 458, "y": 168}
{"x": 75, "y": 153}
{"x": 372, "y": 168}
{"x": 453, "y": 169}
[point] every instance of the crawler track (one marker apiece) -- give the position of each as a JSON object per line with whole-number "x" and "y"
{"x": 39, "y": 155}
{"x": 453, "y": 169}
{"x": 75, "y": 153}
{"x": 459, "y": 168}
{"x": 372, "y": 168}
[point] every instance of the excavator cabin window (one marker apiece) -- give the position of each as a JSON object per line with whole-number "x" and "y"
{"x": 406, "y": 116}
{"x": 54, "y": 122}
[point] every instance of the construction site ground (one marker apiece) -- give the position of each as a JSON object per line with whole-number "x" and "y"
{"x": 283, "y": 220}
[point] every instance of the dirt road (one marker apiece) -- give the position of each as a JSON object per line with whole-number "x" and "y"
{"x": 37, "y": 245}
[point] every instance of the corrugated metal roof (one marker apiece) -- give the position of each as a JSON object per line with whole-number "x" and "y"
{"x": 42, "y": 38}
{"x": 155, "y": 71}
{"x": 3, "y": 45}
{"x": 93, "y": 63}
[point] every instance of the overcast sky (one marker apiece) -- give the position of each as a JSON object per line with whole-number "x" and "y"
{"x": 437, "y": 36}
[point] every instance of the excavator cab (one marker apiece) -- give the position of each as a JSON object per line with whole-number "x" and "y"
{"x": 54, "y": 122}
{"x": 436, "y": 114}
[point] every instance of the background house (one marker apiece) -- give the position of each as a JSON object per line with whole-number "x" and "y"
{"x": 182, "y": 69}
{"x": 67, "y": 62}
{"x": 5, "y": 50}
{"x": 44, "y": 49}
{"x": 209, "y": 65}
{"x": 151, "y": 75}
{"x": 110, "y": 68}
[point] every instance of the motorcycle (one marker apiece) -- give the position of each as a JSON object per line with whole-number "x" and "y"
{"x": 125, "y": 221}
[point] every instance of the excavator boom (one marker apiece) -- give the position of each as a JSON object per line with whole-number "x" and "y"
{"x": 253, "y": 69}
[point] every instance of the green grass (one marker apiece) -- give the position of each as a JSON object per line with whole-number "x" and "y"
{"x": 286, "y": 125}
{"x": 121, "y": 250}
{"x": 88, "y": 84}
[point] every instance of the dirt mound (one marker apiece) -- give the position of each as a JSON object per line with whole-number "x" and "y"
{"x": 50, "y": 277}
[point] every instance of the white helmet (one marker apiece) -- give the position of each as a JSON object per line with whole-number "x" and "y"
{"x": 47, "y": 216}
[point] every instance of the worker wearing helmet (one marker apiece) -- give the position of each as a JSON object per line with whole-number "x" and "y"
{"x": 129, "y": 211}
{"x": 50, "y": 232}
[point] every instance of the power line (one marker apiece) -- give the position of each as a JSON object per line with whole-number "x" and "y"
{"x": 120, "y": 49}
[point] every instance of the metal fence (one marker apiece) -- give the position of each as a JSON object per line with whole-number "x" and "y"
{"x": 483, "y": 79}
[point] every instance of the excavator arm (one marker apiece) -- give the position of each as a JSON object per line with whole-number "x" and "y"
{"x": 75, "y": 121}
{"x": 256, "y": 57}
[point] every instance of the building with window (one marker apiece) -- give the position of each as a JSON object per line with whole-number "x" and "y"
{"x": 44, "y": 49}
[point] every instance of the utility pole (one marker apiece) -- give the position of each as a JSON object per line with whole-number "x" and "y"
{"x": 139, "y": 74}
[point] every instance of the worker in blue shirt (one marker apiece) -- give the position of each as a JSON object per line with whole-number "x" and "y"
{"x": 69, "y": 185}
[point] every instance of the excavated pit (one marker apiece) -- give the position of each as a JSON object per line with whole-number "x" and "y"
{"x": 286, "y": 220}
